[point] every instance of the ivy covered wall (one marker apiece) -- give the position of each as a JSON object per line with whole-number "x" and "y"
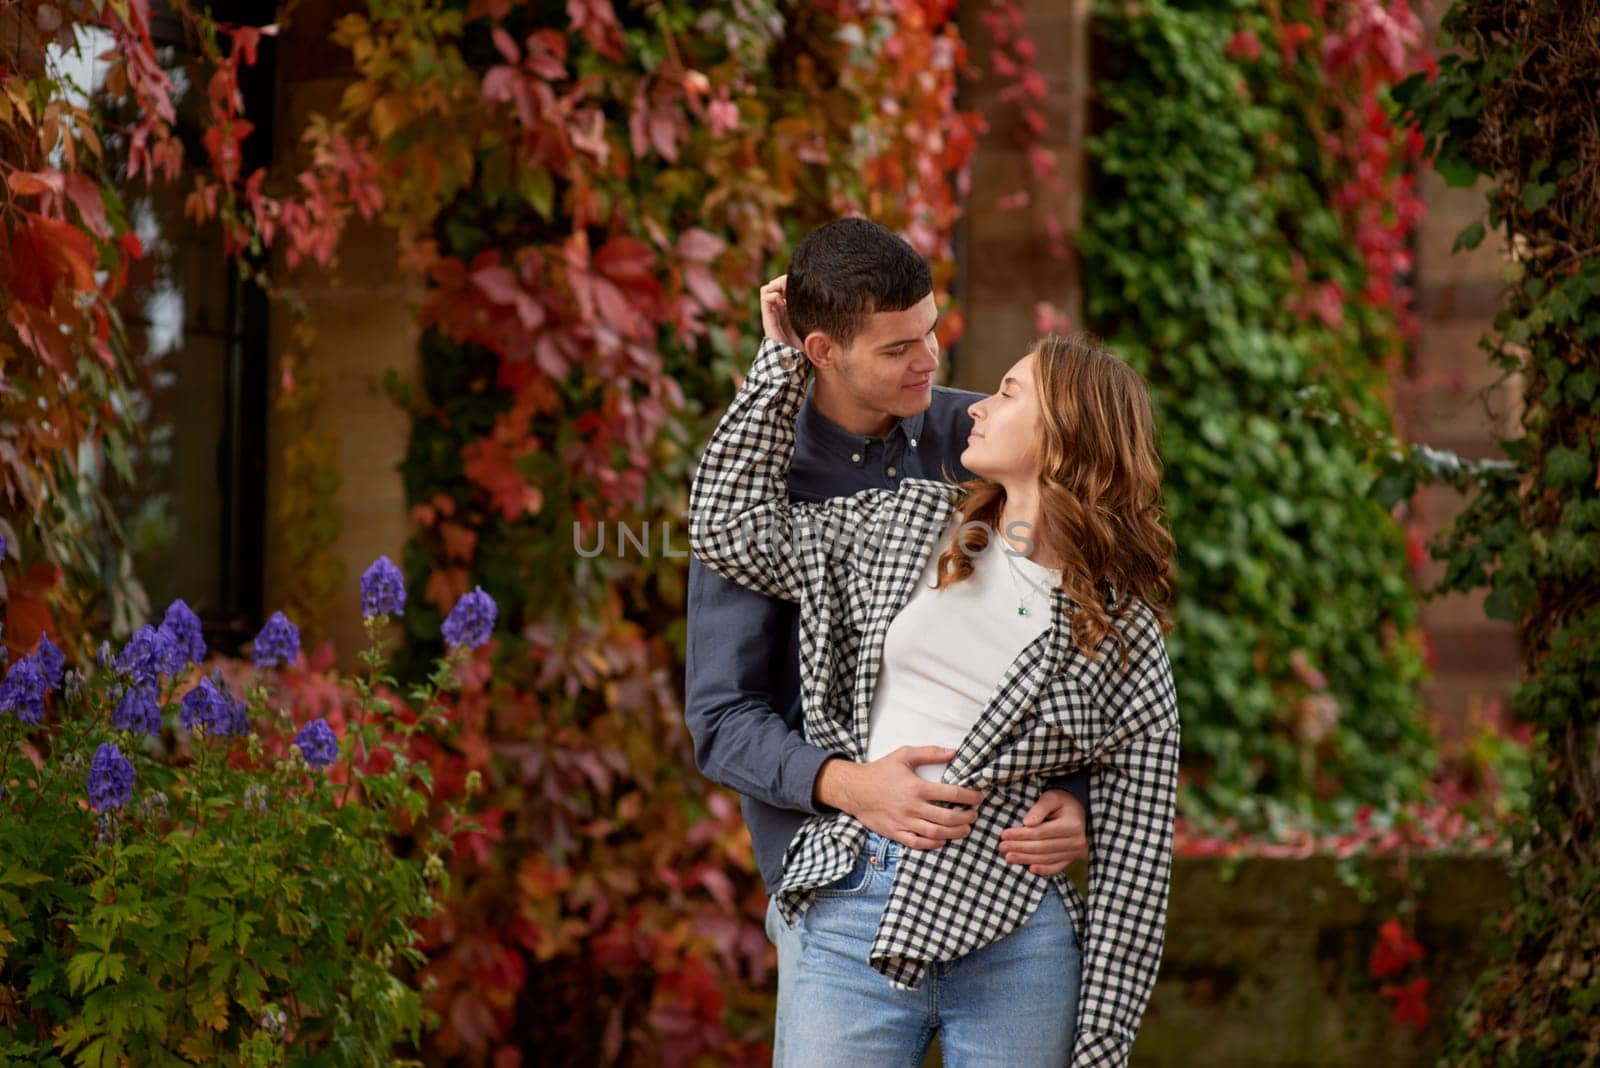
{"x": 1246, "y": 228}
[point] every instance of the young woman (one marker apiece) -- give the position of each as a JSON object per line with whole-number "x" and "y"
{"x": 1017, "y": 618}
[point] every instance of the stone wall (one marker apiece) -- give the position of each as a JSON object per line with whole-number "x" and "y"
{"x": 1005, "y": 265}
{"x": 1454, "y": 398}
{"x": 362, "y": 312}
{"x": 1269, "y": 967}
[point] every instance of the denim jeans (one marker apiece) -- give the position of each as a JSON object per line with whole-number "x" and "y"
{"x": 1011, "y": 1004}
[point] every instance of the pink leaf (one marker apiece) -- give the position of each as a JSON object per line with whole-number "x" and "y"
{"x": 506, "y": 45}
{"x": 700, "y": 246}
{"x": 85, "y": 193}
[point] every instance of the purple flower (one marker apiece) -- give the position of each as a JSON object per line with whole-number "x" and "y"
{"x": 182, "y": 626}
{"x": 110, "y": 778}
{"x": 316, "y": 740}
{"x": 278, "y": 642}
{"x": 383, "y": 589}
{"x": 149, "y": 654}
{"x": 22, "y": 691}
{"x": 139, "y": 709}
{"x": 210, "y": 703}
{"x": 52, "y": 662}
{"x": 238, "y": 715}
{"x": 471, "y": 621}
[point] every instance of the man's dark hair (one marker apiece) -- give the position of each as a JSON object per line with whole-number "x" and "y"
{"x": 847, "y": 270}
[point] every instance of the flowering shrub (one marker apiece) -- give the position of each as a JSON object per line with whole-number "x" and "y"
{"x": 189, "y": 872}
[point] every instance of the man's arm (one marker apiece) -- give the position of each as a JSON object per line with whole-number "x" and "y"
{"x": 1075, "y": 783}
{"x": 740, "y": 740}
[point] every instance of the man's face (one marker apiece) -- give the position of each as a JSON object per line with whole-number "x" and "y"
{"x": 890, "y": 365}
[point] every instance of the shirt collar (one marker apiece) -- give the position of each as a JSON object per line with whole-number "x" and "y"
{"x": 819, "y": 428}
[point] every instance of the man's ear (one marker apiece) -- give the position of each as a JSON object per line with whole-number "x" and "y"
{"x": 820, "y": 349}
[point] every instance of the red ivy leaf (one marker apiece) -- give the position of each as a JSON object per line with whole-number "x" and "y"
{"x": 700, "y": 246}
{"x": 30, "y": 183}
{"x": 500, "y": 285}
{"x": 85, "y": 194}
{"x": 45, "y": 254}
{"x": 27, "y": 609}
{"x": 488, "y": 463}
{"x": 597, "y": 21}
{"x": 245, "y": 40}
{"x": 1395, "y": 949}
{"x": 625, "y": 259}
{"x": 1410, "y": 1003}
{"x": 506, "y": 44}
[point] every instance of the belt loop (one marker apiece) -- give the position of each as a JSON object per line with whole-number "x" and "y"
{"x": 882, "y": 851}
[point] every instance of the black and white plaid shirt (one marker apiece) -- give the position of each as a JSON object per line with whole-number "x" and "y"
{"x": 851, "y": 563}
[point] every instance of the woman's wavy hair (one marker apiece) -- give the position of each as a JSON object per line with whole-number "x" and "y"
{"x": 1099, "y": 491}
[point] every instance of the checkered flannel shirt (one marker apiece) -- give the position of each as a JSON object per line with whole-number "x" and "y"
{"x": 851, "y": 563}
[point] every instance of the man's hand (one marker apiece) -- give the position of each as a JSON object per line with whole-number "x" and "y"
{"x": 775, "y": 315}
{"x": 892, "y": 799}
{"x": 1050, "y": 837}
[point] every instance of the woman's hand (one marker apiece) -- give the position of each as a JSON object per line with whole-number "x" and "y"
{"x": 775, "y": 312}
{"x": 888, "y": 796}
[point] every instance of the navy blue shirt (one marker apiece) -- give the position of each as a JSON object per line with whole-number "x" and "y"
{"x": 742, "y": 692}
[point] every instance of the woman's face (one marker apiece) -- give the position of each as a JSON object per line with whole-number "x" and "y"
{"x": 1004, "y": 444}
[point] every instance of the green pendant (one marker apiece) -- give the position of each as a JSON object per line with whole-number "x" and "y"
{"x": 1021, "y": 611}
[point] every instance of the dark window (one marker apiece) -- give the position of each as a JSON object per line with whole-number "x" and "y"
{"x": 197, "y": 328}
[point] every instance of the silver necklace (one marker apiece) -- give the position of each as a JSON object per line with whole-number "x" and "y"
{"x": 1022, "y": 598}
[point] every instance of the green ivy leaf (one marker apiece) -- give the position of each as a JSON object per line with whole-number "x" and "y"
{"x": 1583, "y": 387}
{"x": 1566, "y": 468}
{"x": 1394, "y": 486}
{"x": 1456, "y": 171}
{"x": 1497, "y": 605}
{"x": 1469, "y": 238}
{"x": 538, "y": 189}
{"x": 1537, "y": 195}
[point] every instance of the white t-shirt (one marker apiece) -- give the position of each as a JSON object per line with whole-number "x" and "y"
{"x": 945, "y": 653}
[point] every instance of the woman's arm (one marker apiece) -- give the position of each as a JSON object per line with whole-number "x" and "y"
{"x": 1133, "y": 792}
{"x": 741, "y": 521}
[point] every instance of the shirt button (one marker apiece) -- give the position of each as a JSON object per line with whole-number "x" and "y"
{"x": 856, "y": 456}
{"x": 786, "y": 362}
{"x": 891, "y": 472}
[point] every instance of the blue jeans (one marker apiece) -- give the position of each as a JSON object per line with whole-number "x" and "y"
{"x": 1011, "y": 1004}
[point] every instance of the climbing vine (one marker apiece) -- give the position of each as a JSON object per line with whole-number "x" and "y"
{"x": 1509, "y": 104}
{"x": 1247, "y": 221}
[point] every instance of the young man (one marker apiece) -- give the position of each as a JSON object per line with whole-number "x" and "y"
{"x": 860, "y": 301}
